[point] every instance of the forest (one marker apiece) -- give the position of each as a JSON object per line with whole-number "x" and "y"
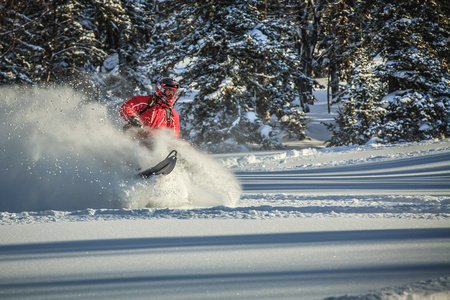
{"x": 250, "y": 64}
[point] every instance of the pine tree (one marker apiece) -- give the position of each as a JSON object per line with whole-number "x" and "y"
{"x": 21, "y": 50}
{"x": 339, "y": 41}
{"x": 362, "y": 106}
{"x": 412, "y": 43}
{"x": 413, "y": 103}
{"x": 47, "y": 41}
{"x": 122, "y": 74}
{"x": 306, "y": 18}
{"x": 235, "y": 59}
{"x": 413, "y": 116}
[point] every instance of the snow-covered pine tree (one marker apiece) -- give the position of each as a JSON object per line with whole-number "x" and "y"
{"x": 338, "y": 42}
{"x": 235, "y": 57}
{"x": 67, "y": 42}
{"x": 47, "y": 41}
{"x": 146, "y": 58}
{"x": 306, "y": 16}
{"x": 413, "y": 116}
{"x": 21, "y": 49}
{"x": 410, "y": 41}
{"x": 361, "y": 106}
{"x": 131, "y": 29}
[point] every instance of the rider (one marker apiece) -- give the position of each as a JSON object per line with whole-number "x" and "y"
{"x": 156, "y": 111}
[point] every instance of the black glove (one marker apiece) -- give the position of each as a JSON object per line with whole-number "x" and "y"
{"x": 135, "y": 122}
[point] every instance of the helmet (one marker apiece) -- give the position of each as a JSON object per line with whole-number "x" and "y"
{"x": 164, "y": 84}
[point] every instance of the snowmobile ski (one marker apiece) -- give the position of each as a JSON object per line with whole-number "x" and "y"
{"x": 163, "y": 168}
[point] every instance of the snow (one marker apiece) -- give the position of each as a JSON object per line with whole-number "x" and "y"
{"x": 251, "y": 116}
{"x": 258, "y": 36}
{"x": 265, "y": 130}
{"x": 308, "y": 222}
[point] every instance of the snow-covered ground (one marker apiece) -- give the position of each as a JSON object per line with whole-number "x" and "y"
{"x": 359, "y": 222}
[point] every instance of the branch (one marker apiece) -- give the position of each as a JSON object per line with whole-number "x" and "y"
{"x": 13, "y": 31}
{"x": 22, "y": 27}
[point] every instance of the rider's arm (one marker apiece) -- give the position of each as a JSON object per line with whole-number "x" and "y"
{"x": 132, "y": 107}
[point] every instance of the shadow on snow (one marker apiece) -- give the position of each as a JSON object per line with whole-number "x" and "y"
{"x": 47, "y": 250}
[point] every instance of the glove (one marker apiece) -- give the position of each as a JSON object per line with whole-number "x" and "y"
{"x": 135, "y": 122}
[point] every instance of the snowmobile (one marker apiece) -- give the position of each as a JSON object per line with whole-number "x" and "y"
{"x": 162, "y": 168}
{"x": 143, "y": 137}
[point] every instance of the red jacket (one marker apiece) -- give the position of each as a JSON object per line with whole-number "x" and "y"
{"x": 153, "y": 118}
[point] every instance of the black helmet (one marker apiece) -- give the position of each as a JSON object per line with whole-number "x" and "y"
{"x": 162, "y": 85}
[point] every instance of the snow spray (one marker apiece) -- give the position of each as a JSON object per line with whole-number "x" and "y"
{"x": 61, "y": 152}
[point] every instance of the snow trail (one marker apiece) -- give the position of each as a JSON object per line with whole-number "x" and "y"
{"x": 62, "y": 152}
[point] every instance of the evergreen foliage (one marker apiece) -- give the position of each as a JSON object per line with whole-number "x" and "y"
{"x": 362, "y": 108}
{"x": 63, "y": 41}
{"x": 340, "y": 39}
{"x": 410, "y": 39}
{"x": 413, "y": 116}
{"x": 236, "y": 60}
{"x": 251, "y": 62}
{"x": 47, "y": 42}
